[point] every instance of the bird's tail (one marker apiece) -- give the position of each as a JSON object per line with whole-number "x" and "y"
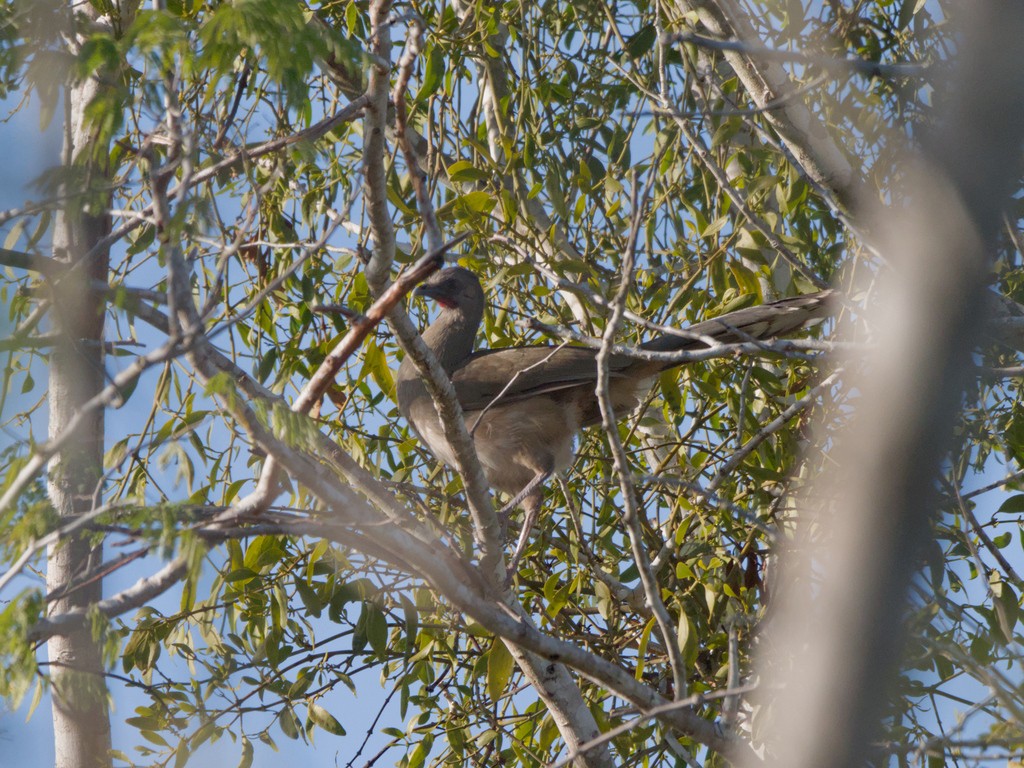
{"x": 777, "y": 319}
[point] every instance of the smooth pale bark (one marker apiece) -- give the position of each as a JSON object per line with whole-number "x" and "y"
{"x": 81, "y": 725}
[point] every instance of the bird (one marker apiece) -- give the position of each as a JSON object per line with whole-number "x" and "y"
{"x": 525, "y": 405}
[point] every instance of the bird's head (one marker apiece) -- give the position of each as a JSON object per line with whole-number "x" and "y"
{"x": 454, "y": 288}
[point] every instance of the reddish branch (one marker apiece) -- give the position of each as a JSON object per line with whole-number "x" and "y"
{"x": 363, "y": 324}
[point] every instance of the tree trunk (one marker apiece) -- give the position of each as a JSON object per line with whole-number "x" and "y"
{"x": 81, "y": 725}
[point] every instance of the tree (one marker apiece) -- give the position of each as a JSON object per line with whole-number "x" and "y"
{"x": 271, "y": 178}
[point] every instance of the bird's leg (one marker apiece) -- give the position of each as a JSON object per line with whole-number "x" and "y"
{"x": 539, "y": 479}
{"x": 530, "y": 497}
{"x": 531, "y": 512}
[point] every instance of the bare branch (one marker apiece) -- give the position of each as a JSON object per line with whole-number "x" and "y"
{"x": 135, "y": 596}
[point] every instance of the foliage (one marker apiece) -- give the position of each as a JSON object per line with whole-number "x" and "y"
{"x": 545, "y": 124}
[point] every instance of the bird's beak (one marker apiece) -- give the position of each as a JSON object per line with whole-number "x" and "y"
{"x": 429, "y": 291}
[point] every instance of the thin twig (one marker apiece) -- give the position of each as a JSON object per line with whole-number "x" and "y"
{"x": 972, "y": 520}
{"x": 631, "y": 512}
{"x": 37, "y": 545}
{"x": 140, "y": 593}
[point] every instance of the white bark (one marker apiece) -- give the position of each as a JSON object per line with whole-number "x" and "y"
{"x": 81, "y": 724}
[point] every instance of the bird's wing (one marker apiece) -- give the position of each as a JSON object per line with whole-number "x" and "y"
{"x": 515, "y": 373}
{"x": 512, "y": 374}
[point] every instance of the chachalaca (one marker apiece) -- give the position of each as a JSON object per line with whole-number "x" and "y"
{"x": 524, "y": 405}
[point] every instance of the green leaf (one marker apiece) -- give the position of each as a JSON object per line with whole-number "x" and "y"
{"x": 745, "y": 278}
{"x": 739, "y": 302}
{"x": 315, "y": 556}
{"x": 908, "y": 10}
{"x": 204, "y": 732}
{"x": 352, "y": 21}
{"x": 37, "y": 697}
{"x": 411, "y": 621}
{"x": 376, "y": 627}
{"x": 1007, "y": 606}
{"x": 16, "y": 232}
{"x": 686, "y": 636}
{"x": 476, "y": 202}
{"x": 471, "y": 205}
{"x": 263, "y": 551}
{"x": 324, "y": 719}
{"x": 266, "y": 739}
{"x": 499, "y": 669}
{"x": 310, "y": 598}
{"x": 433, "y": 74}
{"x": 464, "y": 170}
{"x": 142, "y": 650}
{"x": 1012, "y": 505}
{"x": 46, "y": 72}
{"x": 642, "y": 42}
{"x": 604, "y": 599}
{"x": 556, "y": 594}
{"x": 188, "y": 595}
{"x": 231, "y": 491}
{"x": 641, "y": 651}
{"x": 289, "y": 723}
{"x": 240, "y": 575}
{"x": 375, "y": 363}
{"x": 154, "y": 738}
{"x": 668, "y": 382}
{"x": 266, "y": 366}
{"x": 420, "y": 753}
{"x": 247, "y": 754}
